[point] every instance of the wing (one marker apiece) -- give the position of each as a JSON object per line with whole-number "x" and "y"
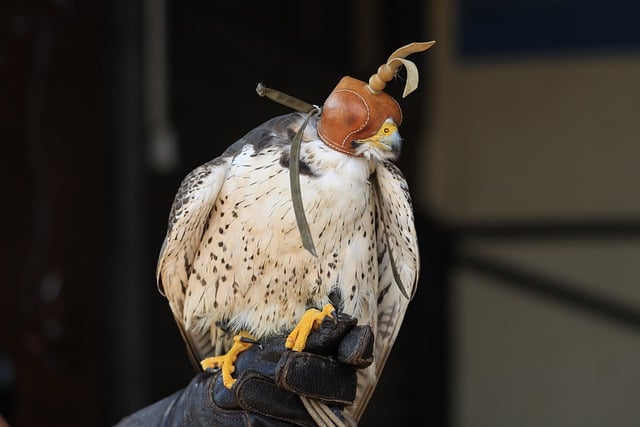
{"x": 187, "y": 220}
{"x": 189, "y": 217}
{"x": 396, "y": 235}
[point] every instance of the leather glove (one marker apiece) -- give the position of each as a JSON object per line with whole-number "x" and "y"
{"x": 271, "y": 381}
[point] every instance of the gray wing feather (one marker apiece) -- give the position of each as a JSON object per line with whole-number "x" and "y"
{"x": 395, "y": 218}
{"x": 187, "y": 220}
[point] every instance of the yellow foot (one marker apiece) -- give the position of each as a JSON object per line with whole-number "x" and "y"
{"x": 226, "y": 361}
{"x": 310, "y": 321}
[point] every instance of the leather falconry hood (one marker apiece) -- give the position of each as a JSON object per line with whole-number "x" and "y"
{"x": 356, "y": 110}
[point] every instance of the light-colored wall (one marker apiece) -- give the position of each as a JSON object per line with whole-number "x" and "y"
{"x": 529, "y": 139}
{"x": 544, "y": 138}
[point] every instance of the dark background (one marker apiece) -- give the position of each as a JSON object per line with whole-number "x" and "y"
{"x": 85, "y": 338}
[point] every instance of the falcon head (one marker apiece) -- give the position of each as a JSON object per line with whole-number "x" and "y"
{"x": 360, "y": 119}
{"x": 385, "y": 144}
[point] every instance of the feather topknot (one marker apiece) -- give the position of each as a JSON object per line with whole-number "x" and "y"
{"x": 387, "y": 71}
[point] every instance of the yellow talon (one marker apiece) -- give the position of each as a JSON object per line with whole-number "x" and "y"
{"x": 311, "y": 320}
{"x": 226, "y": 361}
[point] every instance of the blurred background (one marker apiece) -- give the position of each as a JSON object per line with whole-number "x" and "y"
{"x": 521, "y": 152}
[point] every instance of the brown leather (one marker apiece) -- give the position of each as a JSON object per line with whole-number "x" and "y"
{"x": 353, "y": 112}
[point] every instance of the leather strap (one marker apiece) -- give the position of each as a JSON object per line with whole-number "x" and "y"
{"x": 285, "y": 99}
{"x": 294, "y": 164}
{"x": 294, "y": 179}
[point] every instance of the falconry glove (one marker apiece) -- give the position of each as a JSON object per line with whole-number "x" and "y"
{"x": 272, "y": 383}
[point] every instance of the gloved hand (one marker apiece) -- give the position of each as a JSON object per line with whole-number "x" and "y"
{"x": 271, "y": 381}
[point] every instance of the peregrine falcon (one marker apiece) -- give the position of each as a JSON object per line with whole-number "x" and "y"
{"x": 233, "y": 262}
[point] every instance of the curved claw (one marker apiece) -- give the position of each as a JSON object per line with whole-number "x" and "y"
{"x": 226, "y": 362}
{"x": 311, "y": 320}
{"x": 334, "y": 316}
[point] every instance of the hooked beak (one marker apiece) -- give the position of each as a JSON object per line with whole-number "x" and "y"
{"x": 384, "y": 144}
{"x": 388, "y": 145}
{"x": 392, "y": 143}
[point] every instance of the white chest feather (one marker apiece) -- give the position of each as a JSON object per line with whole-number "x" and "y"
{"x": 251, "y": 271}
